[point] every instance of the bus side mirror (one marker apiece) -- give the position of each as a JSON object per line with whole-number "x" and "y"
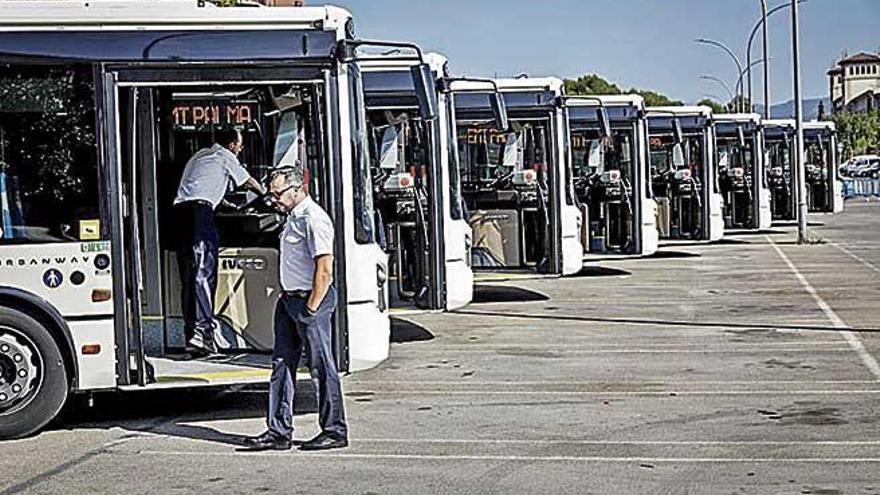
{"x": 678, "y": 156}
{"x": 741, "y": 135}
{"x": 426, "y": 90}
{"x": 604, "y": 122}
{"x": 677, "y": 132}
{"x": 499, "y": 111}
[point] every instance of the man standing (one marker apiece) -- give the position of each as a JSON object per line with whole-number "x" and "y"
{"x": 206, "y": 179}
{"x": 303, "y": 319}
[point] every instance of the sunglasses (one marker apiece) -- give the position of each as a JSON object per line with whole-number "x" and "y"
{"x": 276, "y": 195}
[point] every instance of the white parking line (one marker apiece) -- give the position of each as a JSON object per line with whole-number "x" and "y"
{"x": 512, "y": 458}
{"x": 856, "y": 257}
{"x": 526, "y": 349}
{"x": 629, "y": 383}
{"x": 854, "y": 341}
{"x": 816, "y": 443}
{"x": 612, "y": 393}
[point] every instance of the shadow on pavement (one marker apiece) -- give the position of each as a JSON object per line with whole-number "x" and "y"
{"x": 406, "y": 331}
{"x": 754, "y": 232}
{"x": 674, "y": 323}
{"x": 172, "y": 412}
{"x": 600, "y": 271}
{"x": 500, "y": 293}
{"x": 669, "y": 254}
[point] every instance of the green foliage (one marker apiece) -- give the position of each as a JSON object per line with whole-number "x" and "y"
{"x": 592, "y": 84}
{"x": 714, "y": 105}
{"x": 859, "y": 132}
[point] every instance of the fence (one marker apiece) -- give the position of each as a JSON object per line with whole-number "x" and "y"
{"x": 861, "y": 187}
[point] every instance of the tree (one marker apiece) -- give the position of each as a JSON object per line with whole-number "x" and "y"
{"x": 859, "y": 132}
{"x": 714, "y": 105}
{"x": 592, "y": 84}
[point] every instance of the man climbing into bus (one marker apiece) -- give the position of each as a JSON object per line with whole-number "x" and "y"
{"x": 303, "y": 319}
{"x": 206, "y": 179}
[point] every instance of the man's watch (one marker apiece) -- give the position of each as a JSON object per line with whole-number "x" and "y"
{"x": 309, "y": 310}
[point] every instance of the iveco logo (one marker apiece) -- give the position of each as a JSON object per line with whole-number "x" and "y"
{"x": 244, "y": 263}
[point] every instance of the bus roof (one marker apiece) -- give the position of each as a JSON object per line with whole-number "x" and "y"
{"x": 607, "y": 100}
{"x": 779, "y": 123}
{"x": 823, "y": 125}
{"x": 754, "y": 118}
{"x": 436, "y": 61}
{"x": 553, "y": 84}
{"x": 684, "y": 111}
{"x": 147, "y": 15}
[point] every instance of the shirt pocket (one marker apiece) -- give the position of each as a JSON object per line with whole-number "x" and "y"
{"x": 297, "y": 232}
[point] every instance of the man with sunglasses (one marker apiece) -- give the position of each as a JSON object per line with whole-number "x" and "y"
{"x": 208, "y": 175}
{"x": 303, "y": 319}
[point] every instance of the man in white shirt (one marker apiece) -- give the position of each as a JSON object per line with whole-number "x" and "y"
{"x": 303, "y": 319}
{"x": 206, "y": 179}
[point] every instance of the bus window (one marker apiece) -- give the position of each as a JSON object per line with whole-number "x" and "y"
{"x": 48, "y": 155}
{"x": 365, "y": 232}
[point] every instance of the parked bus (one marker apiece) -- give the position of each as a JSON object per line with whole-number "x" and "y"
{"x": 683, "y": 172}
{"x": 101, "y": 106}
{"x": 779, "y": 155}
{"x": 740, "y": 148}
{"x": 417, "y": 187}
{"x": 824, "y": 186}
{"x": 609, "y": 143}
{"x": 517, "y": 182}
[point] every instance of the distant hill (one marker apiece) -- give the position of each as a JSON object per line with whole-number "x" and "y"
{"x": 786, "y": 110}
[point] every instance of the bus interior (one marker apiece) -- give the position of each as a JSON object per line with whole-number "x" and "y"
{"x": 605, "y": 175}
{"x": 680, "y": 178}
{"x": 779, "y": 150}
{"x": 739, "y": 174}
{"x": 506, "y": 189}
{"x": 162, "y": 127}
{"x": 824, "y": 189}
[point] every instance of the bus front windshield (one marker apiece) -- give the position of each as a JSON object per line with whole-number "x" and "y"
{"x": 595, "y": 155}
{"x": 489, "y": 157}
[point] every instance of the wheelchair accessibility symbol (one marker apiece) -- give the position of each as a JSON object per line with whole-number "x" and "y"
{"x": 52, "y": 278}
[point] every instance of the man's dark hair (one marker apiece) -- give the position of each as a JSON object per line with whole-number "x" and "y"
{"x": 226, "y": 136}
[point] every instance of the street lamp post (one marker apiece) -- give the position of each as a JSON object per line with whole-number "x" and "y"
{"x": 762, "y": 22}
{"x": 764, "y": 15}
{"x": 799, "y": 125}
{"x": 726, "y": 49}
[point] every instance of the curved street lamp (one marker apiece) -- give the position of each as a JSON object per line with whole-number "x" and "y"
{"x": 723, "y": 84}
{"x": 762, "y": 22}
{"x": 724, "y": 47}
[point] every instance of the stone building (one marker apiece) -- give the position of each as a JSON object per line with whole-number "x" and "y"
{"x": 855, "y": 83}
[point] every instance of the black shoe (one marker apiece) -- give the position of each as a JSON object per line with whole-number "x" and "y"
{"x": 325, "y": 441}
{"x": 266, "y": 441}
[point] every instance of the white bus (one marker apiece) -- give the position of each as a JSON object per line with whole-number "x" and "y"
{"x": 684, "y": 172}
{"x": 739, "y": 144}
{"x": 101, "y": 105}
{"x": 418, "y": 187}
{"x": 609, "y": 153}
{"x": 517, "y": 182}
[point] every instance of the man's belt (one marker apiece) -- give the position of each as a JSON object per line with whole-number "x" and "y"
{"x": 298, "y": 294}
{"x": 196, "y": 202}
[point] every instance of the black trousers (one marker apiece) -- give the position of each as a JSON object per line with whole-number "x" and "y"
{"x": 197, "y": 263}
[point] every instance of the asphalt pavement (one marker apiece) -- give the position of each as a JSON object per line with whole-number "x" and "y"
{"x": 745, "y": 366}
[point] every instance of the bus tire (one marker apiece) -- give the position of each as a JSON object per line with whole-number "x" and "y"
{"x": 33, "y": 377}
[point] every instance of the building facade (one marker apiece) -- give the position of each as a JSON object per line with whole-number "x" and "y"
{"x": 855, "y": 83}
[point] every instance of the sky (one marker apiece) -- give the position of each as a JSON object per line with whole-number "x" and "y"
{"x": 634, "y": 43}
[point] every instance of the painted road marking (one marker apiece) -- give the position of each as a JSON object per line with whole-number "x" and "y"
{"x": 856, "y": 257}
{"x": 854, "y": 341}
{"x": 522, "y": 458}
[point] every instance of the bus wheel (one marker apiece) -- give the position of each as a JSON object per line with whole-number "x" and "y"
{"x": 33, "y": 377}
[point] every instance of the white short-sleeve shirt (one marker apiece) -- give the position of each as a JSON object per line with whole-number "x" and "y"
{"x": 308, "y": 233}
{"x": 207, "y": 175}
